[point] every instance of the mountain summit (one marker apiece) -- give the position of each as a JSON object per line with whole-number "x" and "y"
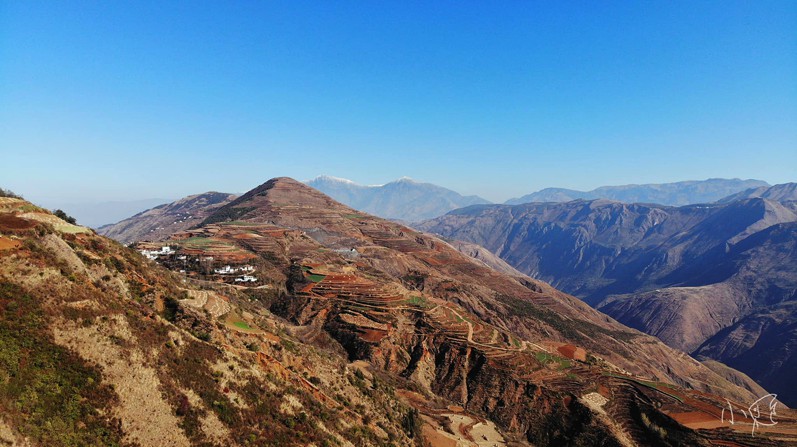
{"x": 402, "y": 199}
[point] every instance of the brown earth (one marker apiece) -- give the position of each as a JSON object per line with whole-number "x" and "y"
{"x": 7, "y": 244}
{"x": 10, "y": 222}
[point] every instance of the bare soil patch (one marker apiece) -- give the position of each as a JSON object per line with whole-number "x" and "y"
{"x": 10, "y": 222}
{"x": 373, "y": 335}
{"x": 7, "y": 244}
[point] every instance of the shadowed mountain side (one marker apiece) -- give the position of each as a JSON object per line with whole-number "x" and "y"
{"x": 763, "y": 344}
{"x": 682, "y": 274}
{"x": 682, "y": 317}
{"x": 756, "y": 272}
{"x": 734, "y": 376}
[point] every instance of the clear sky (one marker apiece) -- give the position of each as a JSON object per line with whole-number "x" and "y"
{"x": 120, "y": 101}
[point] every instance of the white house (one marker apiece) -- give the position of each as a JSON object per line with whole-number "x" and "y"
{"x": 246, "y": 278}
{"x": 226, "y": 270}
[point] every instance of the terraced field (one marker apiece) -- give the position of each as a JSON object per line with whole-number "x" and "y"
{"x": 415, "y": 307}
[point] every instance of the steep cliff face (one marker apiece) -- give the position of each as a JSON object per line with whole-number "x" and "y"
{"x": 682, "y": 274}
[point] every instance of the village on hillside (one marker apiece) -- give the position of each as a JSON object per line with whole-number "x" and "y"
{"x": 175, "y": 258}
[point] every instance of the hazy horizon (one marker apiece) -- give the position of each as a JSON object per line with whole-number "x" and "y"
{"x": 130, "y": 101}
{"x": 52, "y": 202}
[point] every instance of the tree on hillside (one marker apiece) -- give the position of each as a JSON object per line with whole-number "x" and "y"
{"x": 64, "y": 216}
{"x": 9, "y": 193}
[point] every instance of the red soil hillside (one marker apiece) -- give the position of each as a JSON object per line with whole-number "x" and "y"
{"x": 412, "y": 306}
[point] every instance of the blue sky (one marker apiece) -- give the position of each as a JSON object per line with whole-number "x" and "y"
{"x": 121, "y": 101}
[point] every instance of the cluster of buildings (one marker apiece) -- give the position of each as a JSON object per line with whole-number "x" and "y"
{"x": 155, "y": 254}
{"x": 168, "y": 255}
{"x": 227, "y": 270}
{"x": 246, "y": 278}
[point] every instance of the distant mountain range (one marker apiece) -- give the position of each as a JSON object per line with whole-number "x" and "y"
{"x": 718, "y": 280}
{"x": 676, "y": 194}
{"x": 403, "y": 199}
{"x": 411, "y": 201}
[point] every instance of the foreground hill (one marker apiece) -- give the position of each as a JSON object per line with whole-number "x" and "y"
{"x": 99, "y": 347}
{"x": 678, "y": 193}
{"x": 681, "y": 273}
{"x": 475, "y": 344}
{"x": 161, "y": 221}
{"x": 402, "y": 199}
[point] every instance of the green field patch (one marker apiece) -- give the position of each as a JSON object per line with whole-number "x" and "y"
{"x": 315, "y": 277}
{"x": 420, "y": 301}
{"x": 546, "y": 358}
{"x": 654, "y": 385}
{"x": 243, "y": 325}
{"x": 197, "y": 242}
{"x": 208, "y": 244}
{"x": 69, "y": 228}
{"x": 235, "y": 321}
{"x": 240, "y": 223}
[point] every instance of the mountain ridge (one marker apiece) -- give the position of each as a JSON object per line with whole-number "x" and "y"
{"x": 163, "y": 220}
{"x": 683, "y": 274}
{"x": 403, "y": 199}
{"x": 674, "y": 194}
